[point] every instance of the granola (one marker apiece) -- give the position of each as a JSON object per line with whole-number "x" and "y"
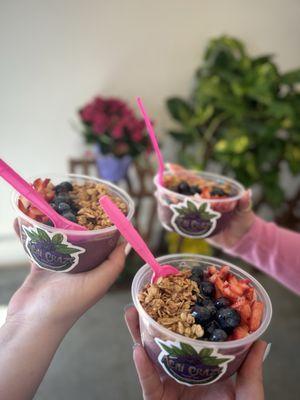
{"x": 169, "y": 302}
{"x": 90, "y": 214}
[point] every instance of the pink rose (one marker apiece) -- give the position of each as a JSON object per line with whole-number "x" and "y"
{"x": 117, "y": 131}
{"x": 137, "y": 136}
{"x": 87, "y": 113}
{"x": 100, "y": 124}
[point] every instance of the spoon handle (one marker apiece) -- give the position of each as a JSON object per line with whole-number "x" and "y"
{"x": 24, "y": 188}
{"x": 150, "y": 129}
{"x": 129, "y": 232}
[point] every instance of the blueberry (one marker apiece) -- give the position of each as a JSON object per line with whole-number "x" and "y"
{"x": 49, "y": 223}
{"x": 63, "y": 187}
{"x": 217, "y": 191}
{"x": 183, "y": 188}
{"x": 228, "y": 318}
{"x": 218, "y": 335}
{"x": 201, "y": 314}
{"x": 62, "y": 198}
{"x": 197, "y": 275}
{"x": 54, "y": 206}
{"x": 63, "y": 207}
{"x": 70, "y": 216}
{"x": 222, "y": 302}
{"x": 210, "y": 327}
{"x": 209, "y": 304}
{"x": 195, "y": 189}
{"x": 207, "y": 289}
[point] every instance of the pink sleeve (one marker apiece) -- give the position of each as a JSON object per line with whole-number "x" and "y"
{"x": 273, "y": 250}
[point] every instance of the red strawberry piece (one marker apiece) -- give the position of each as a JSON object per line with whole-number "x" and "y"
{"x": 250, "y": 294}
{"x": 224, "y": 272}
{"x": 240, "y": 332}
{"x": 205, "y": 194}
{"x": 256, "y": 315}
{"x": 212, "y": 270}
{"x": 245, "y": 312}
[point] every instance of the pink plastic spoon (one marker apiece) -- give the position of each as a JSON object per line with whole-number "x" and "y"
{"x": 26, "y": 190}
{"x": 150, "y": 129}
{"x": 133, "y": 237}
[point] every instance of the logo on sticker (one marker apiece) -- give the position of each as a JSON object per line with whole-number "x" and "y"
{"x": 51, "y": 251}
{"x": 193, "y": 220}
{"x": 191, "y": 367}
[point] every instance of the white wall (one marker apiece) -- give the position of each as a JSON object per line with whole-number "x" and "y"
{"x": 56, "y": 54}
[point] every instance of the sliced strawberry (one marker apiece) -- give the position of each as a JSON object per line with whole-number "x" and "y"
{"x": 49, "y": 196}
{"x": 212, "y": 270}
{"x": 240, "y": 332}
{"x": 38, "y": 184}
{"x": 256, "y": 315}
{"x": 240, "y": 301}
{"x": 245, "y": 312}
{"x": 224, "y": 272}
{"x": 205, "y": 194}
{"x": 34, "y": 212}
{"x": 250, "y": 294}
{"x": 45, "y": 183}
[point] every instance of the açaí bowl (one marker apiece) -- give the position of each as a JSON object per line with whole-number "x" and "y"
{"x": 186, "y": 367}
{"x": 70, "y": 251}
{"x": 170, "y": 205}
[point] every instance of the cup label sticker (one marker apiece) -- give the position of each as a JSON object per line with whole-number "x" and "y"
{"x": 189, "y": 366}
{"x": 193, "y": 219}
{"x": 50, "y": 251}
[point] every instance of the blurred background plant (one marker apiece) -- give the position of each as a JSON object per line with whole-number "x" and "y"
{"x": 243, "y": 114}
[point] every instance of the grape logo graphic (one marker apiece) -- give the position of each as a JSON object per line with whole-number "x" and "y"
{"x": 193, "y": 220}
{"x": 191, "y": 367}
{"x": 51, "y": 251}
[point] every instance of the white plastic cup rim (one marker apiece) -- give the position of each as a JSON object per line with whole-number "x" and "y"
{"x": 252, "y": 337}
{"x": 122, "y": 193}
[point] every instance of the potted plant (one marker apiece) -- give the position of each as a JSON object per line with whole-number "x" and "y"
{"x": 243, "y": 114}
{"x": 119, "y": 136}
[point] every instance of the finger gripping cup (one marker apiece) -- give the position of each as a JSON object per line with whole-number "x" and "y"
{"x": 188, "y": 361}
{"x": 71, "y": 251}
{"x": 194, "y": 217}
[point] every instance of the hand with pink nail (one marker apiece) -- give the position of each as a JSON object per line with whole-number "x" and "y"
{"x": 238, "y": 226}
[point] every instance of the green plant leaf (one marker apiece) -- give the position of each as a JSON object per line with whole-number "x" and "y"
{"x": 33, "y": 236}
{"x": 187, "y": 349}
{"x": 65, "y": 249}
{"x": 183, "y": 137}
{"x": 172, "y": 351}
{"x": 291, "y": 77}
{"x": 191, "y": 206}
{"x": 205, "y": 352}
{"x": 43, "y": 235}
{"x": 179, "y": 109}
{"x": 57, "y": 238}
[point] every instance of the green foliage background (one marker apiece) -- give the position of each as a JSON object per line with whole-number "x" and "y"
{"x": 244, "y": 114}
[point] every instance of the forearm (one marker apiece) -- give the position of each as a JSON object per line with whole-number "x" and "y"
{"x": 272, "y": 249}
{"x": 26, "y": 350}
